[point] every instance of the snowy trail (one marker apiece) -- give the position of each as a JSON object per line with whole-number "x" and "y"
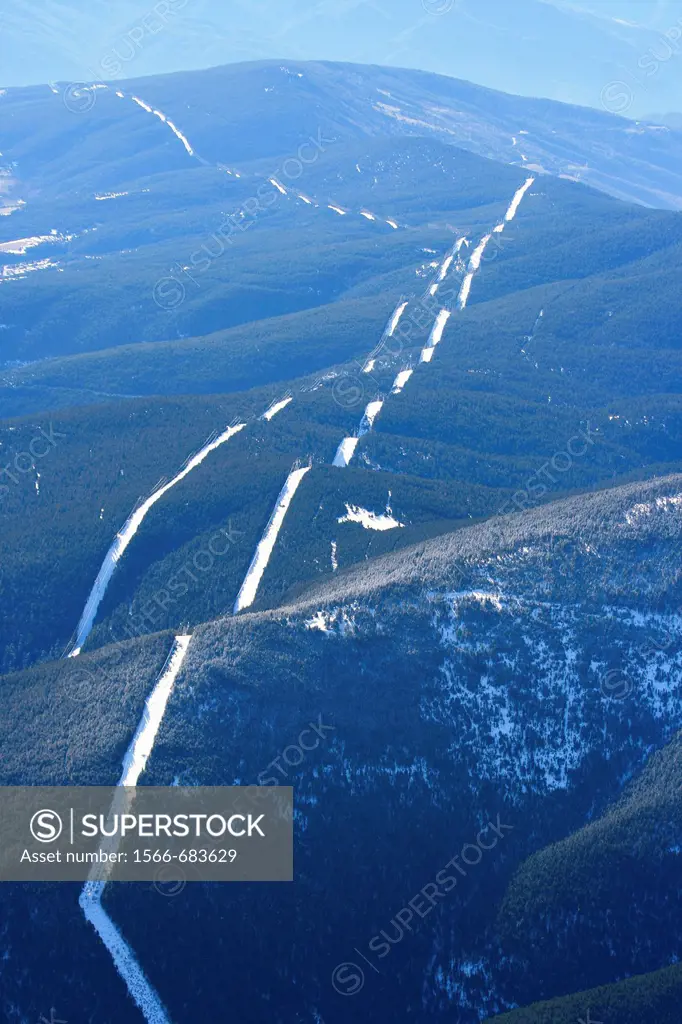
{"x": 474, "y": 266}
{"x": 259, "y": 563}
{"x": 345, "y": 452}
{"x": 137, "y": 755}
{"x": 400, "y": 381}
{"x": 371, "y": 412}
{"x": 477, "y": 256}
{"x": 393, "y": 322}
{"x": 165, "y": 120}
{"x": 516, "y": 201}
{"x": 395, "y": 318}
{"x": 130, "y": 528}
{"x": 447, "y": 263}
{"x": 364, "y": 212}
{"x": 90, "y": 900}
{"x": 346, "y": 449}
{"x": 277, "y": 407}
{"x": 435, "y": 335}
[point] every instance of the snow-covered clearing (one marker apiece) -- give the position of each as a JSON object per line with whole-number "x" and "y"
{"x": 259, "y": 563}
{"x": 90, "y": 901}
{"x": 130, "y": 528}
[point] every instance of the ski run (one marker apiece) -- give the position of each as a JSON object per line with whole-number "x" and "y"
{"x": 367, "y": 214}
{"x": 400, "y": 381}
{"x": 259, "y": 563}
{"x": 346, "y": 449}
{"x": 345, "y": 452}
{"x": 277, "y": 407}
{"x": 162, "y": 117}
{"x": 393, "y": 322}
{"x": 130, "y": 528}
{"x": 90, "y": 900}
{"x": 516, "y": 201}
{"x": 477, "y": 256}
{"x": 446, "y": 264}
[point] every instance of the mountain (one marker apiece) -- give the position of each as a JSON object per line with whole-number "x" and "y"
{"x": 458, "y": 687}
{"x": 620, "y": 55}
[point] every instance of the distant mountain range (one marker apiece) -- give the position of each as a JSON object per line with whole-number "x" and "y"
{"x": 621, "y": 56}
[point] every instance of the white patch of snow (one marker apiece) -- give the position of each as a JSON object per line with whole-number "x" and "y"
{"x": 438, "y": 328}
{"x": 141, "y": 103}
{"x": 90, "y": 901}
{"x": 395, "y": 318}
{"x": 277, "y": 407}
{"x": 369, "y": 520}
{"x": 20, "y": 246}
{"x": 130, "y": 528}
{"x": 371, "y": 412}
{"x": 516, "y": 201}
{"x": 27, "y": 268}
{"x": 335, "y": 561}
{"x": 337, "y": 209}
{"x": 259, "y": 563}
{"x": 400, "y": 381}
{"x": 345, "y": 452}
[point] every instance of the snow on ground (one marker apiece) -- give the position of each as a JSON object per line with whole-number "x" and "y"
{"x": 277, "y": 407}
{"x": 141, "y": 103}
{"x": 130, "y": 528}
{"x": 395, "y": 318}
{"x": 369, "y": 520}
{"x": 139, "y": 988}
{"x": 90, "y": 901}
{"x": 446, "y": 264}
{"x": 435, "y": 335}
{"x": 516, "y": 201}
{"x": 672, "y": 503}
{"x": 400, "y": 381}
{"x": 345, "y": 452}
{"x": 335, "y": 560}
{"x": 438, "y": 328}
{"x": 259, "y": 563}
{"x": 280, "y": 188}
{"x": 367, "y": 215}
{"x": 477, "y": 255}
{"x": 393, "y": 322}
{"x": 20, "y": 246}
{"x": 371, "y": 412}
{"x": 162, "y": 117}
{"x": 111, "y": 195}
{"x": 474, "y": 265}
{"x": 27, "y": 268}
{"x": 137, "y": 755}
{"x": 337, "y": 209}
